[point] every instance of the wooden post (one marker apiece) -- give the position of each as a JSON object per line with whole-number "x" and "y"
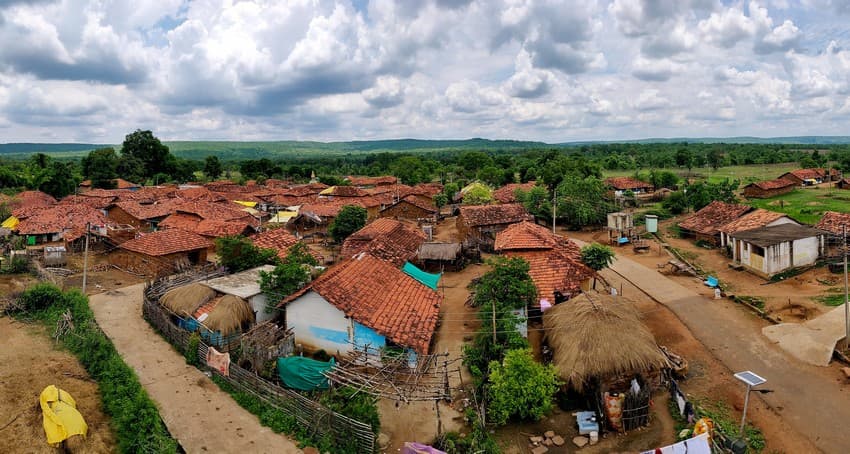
{"x": 494, "y": 321}
{"x": 439, "y": 421}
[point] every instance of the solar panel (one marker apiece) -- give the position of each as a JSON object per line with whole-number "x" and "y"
{"x": 750, "y": 378}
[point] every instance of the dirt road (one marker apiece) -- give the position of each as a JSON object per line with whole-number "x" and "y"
{"x": 198, "y": 414}
{"x": 809, "y": 399}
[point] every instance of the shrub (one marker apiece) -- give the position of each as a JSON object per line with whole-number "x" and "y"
{"x": 39, "y": 297}
{"x": 355, "y": 404}
{"x": 520, "y": 387}
{"x": 191, "y": 352}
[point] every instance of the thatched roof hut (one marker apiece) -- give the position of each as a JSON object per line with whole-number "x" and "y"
{"x": 597, "y": 336}
{"x": 187, "y": 299}
{"x": 228, "y": 314}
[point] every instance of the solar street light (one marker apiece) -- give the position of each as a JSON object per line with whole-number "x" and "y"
{"x": 751, "y": 379}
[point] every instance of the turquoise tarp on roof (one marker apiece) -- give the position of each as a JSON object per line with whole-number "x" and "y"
{"x": 302, "y": 373}
{"x": 431, "y": 280}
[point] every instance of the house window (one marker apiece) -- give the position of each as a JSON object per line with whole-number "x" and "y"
{"x": 757, "y": 250}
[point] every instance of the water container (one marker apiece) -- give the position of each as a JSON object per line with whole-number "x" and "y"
{"x": 651, "y": 223}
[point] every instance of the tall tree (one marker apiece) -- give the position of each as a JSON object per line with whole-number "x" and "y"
{"x": 582, "y": 201}
{"x": 145, "y": 147}
{"x": 101, "y": 167}
{"x": 597, "y": 256}
{"x": 212, "y": 167}
{"x": 350, "y": 219}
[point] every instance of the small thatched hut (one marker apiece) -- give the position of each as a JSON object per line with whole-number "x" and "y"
{"x": 185, "y": 300}
{"x": 599, "y": 339}
{"x": 227, "y": 315}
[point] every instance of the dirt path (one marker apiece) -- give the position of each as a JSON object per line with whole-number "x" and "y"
{"x": 809, "y": 399}
{"x": 198, "y": 414}
{"x": 29, "y": 363}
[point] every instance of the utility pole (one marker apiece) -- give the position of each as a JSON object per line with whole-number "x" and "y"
{"x": 86, "y": 258}
{"x": 494, "y": 320}
{"x": 846, "y": 309}
{"x": 554, "y": 208}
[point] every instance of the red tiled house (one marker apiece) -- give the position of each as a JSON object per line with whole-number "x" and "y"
{"x": 316, "y": 217}
{"x": 622, "y": 184}
{"x": 769, "y": 188}
{"x": 30, "y": 200}
{"x": 507, "y": 193}
{"x": 280, "y": 240}
{"x": 411, "y": 207}
{"x": 833, "y": 223}
{"x": 803, "y": 177}
{"x": 367, "y": 182}
{"x": 363, "y": 301}
{"x": 54, "y": 223}
{"x": 142, "y": 216}
{"x": 843, "y": 183}
{"x": 119, "y": 183}
{"x": 479, "y": 224}
{"x": 555, "y": 262}
{"x": 705, "y": 224}
{"x": 755, "y": 219}
{"x": 386, "y": 239}
{"x": 351, "y": 195}
{"x": 161, "y": 252}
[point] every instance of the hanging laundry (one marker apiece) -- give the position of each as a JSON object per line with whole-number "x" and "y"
{"x": 696, "y": 445}
{"x": 219, "y": 361}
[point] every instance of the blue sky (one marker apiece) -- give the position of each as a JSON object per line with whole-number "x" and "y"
{"x": 93, "y": 71}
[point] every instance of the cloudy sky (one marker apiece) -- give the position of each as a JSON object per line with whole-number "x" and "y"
{"x": 93, "y": 71}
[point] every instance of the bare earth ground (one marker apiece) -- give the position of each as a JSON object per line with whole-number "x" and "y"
{"x": 28, "y": 363}
{"x": 197, "y": 413}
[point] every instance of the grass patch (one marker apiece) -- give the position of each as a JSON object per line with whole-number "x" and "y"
{"x": 806, "y": 205}
{"x": 133, "y": 414}
{"x": 723, "y": 421}
{"x": 834, "y": 299}
{"x": 754, "y": 301}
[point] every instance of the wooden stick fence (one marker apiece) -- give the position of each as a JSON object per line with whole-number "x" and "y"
{"x": 320, "y": 419}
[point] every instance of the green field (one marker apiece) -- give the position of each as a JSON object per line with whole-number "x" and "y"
{"x": 746, "y": 174}
{"x": 807, "y": 205}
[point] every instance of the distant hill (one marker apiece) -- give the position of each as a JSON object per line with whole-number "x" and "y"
{"x": 233, "y": 150}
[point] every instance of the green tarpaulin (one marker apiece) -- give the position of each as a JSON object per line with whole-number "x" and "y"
{"x": 431, "y": 280}
{"x": 302, "y": 373}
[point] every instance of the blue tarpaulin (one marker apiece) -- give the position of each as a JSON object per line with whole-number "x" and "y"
{"x": 302, "y": 373}
{"x": 431, "y": 280}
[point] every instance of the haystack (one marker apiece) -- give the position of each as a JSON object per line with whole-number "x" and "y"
{"x": 187, "y": 299}
{"x": 597, "y": 336}
{"x": 228, "y": 315}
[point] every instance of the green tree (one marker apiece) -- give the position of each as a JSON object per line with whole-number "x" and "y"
{"x": 676, "y": 203}
{"x": 212, "y": 167}
{"x": 440, "y": 200}
{"x": 663, "y": 179}
{"x": 151, "y": 153}
{"x": 410, "y": 170}
{"x": 59, "y": 179}
{"x": 715, "y": 158}
{"x": 597, "y": 257}
{"x": 101, "y": 167}
{"x": 237, "y": 253}
{"x": 478, "y": 194}
{"x": 289, "y": 276}
{"x": 536, "y": 201}
{"x": 131, "y": 168}
{"x": 582, "y": 201}
{"x": 350, "y": 219}
{"x": 520, "y": 387}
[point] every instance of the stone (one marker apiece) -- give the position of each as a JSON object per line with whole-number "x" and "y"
{"x": 846, "y": 371}
{"x": 558, "y": 440}
{"x": 547, "y": 442}
{"x": 383, "y": 441}
{"x": 580, "y": 441}
{"x": 540, "y": 450}
{"x": 535, "y": 439}
{"x": 549, "y": 434}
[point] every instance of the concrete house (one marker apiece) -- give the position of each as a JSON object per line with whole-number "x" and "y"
{"x": 755, "y": 219}
{"x": 246, "y": 285}
{"x": 705, "y": 224}
{"x": 363, "y": 301}
{"x": 767, "y": 251}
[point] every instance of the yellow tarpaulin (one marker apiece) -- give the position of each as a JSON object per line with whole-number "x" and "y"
{"x": 61, "y": 418}
{"x": 247, "y": 204}
{"x": 328, "y": 191}
{"x": 282, "y": 217}
{"x": 10, "y": 223}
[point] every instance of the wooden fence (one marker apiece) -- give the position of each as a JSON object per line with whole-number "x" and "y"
{"x": 321, "y": 420}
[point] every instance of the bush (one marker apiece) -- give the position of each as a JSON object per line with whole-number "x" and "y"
{"x": 354, "y": 404}
{"x": 134, "y": 416}
{"x": 520, "y": 387}
{"x": 191, "y": 352}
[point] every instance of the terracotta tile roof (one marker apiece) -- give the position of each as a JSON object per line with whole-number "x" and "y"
{"x": 95, "y": 201}
{"x": 772, "y": 184}
{"x": 814, "y": 173}
{"x": 31, "y": 199}
{"x": 60, "y": 218}
{"x": 279, "y": 240}
{"x": 528, "y": 235}
{"x": 386, "y": 239}
{"x": 145, "y": 211}
{"x": 148, "y": 194}
{"x": 233, "y": 196}
{"x": 753, "y": 220}
{"x": 417, "y": 202}
{"x": 217, "y": 211}
{"x": 301, "y": 191}
{"x": 121, "y": 183}
{"x": 183, "y": 221}
{"x": 710, "y": 218}
{"x": 507, "y": 193}
{"x": 428, "y": 189}
{"x": 624, "y": 183}
{"x": 328, "y": 208}
{"x": 553, "y": 271}
{"x": 293, "y": 200}
{"x": 164, "y": 242}
{"x": 400, "y": 189}
{"x": 226, "y": 186}
{"x": 217, "y": 229}
{"x": 344, "y": 191}
{"x": 199, "y": 194}
{"x": 315, "y": 186}
{"x": 481, "y": 215}
{"x": 380, "y": 296}
{"x": 372, "y": 181}
{"x": 834, "y": 222}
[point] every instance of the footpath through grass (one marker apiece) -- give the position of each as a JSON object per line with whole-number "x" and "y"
{"x": 134, "y": 416}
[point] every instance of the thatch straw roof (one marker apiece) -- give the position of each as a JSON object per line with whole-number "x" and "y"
{"x": 599, "y": 336}
{"x": 187, "y": 299}
{"x": 228, "y": 315}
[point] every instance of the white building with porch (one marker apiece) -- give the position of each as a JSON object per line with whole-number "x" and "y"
{"x": 767, "y": 251}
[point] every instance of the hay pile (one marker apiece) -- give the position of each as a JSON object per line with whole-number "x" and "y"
{"x": 187, "y": 299}
{"x": 599, "y": 336}
{"x": 228, "y": 315}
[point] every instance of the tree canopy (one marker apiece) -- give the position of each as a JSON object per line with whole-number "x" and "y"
{"x": 520, "y": 387}
{"x": 152, "y": 155}
{"x": 237, "y": 253}
{"x": 350, "y": 219}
